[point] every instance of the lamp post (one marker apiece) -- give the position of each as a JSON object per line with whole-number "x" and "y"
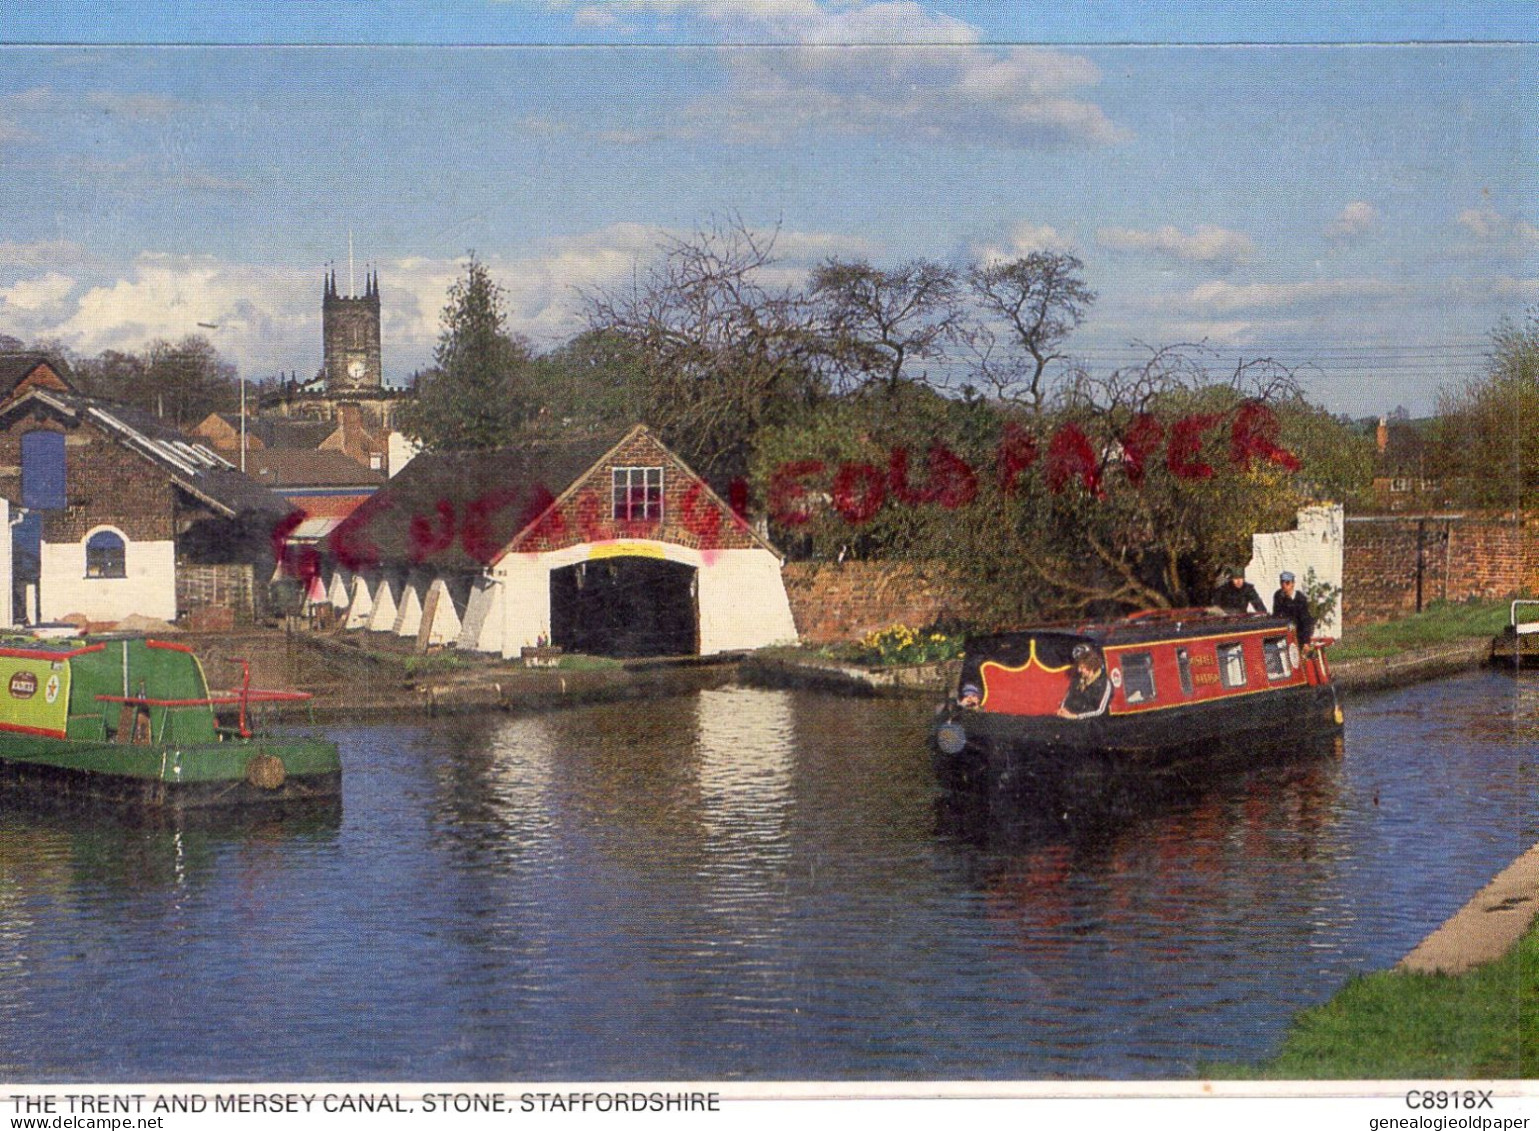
{"x": 215, "y": 326}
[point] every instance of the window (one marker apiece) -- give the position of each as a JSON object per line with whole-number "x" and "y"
{"x": 42, "y": 471}
{"x": 1275, "y": 652}
{"x": 1231, "y": 664}
{"x": 638, "y": 494}
{"x": 105, "y": 556}
{"x": 1184, "y": 670}
{"x": 1138, "y": 677}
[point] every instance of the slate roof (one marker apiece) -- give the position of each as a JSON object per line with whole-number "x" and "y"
{"x": 194, "y": 467}
{"x": 279, "y": 468}
{"x": 509, "y": 487}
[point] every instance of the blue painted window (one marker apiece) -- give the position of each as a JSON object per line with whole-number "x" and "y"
{"x": 42, "y": 471}
{"x": 105, "y": 556}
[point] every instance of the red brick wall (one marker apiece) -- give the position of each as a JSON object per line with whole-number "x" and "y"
{"x": 833, "y": 602}
{"x": 691, "y": 515}
{"x": 106, "y": 484}
{"x": 1483, "y": 557}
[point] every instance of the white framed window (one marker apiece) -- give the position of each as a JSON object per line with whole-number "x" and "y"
{"x": 638, "y": 494}
{"x": 1275, "y": 651}
{"x": 1231, "y": 664}
{"x": 1138, "y": 677}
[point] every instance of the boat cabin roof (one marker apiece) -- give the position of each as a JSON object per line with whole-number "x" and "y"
{"x": 1172, "y": 625}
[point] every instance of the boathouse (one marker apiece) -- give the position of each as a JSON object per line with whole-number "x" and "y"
{"x": 602, "y": 546}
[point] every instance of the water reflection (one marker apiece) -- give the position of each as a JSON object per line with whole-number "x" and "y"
{"x": 747, "y": 884}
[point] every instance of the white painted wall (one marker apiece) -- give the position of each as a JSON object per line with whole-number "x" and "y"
{"x": 482, "y": 628}
{"x": 445, "y": 625}
{"x": 1316, "y": 544}
{"x": 386, "y": 604}
{"x": 399, "y": 451}
{"x": 743, "y": 602}
{"x": 149, "y": 590}
{"x": 525, "y": 582}
{"x": 741, "y": 599}
{"x": 362, "y": 606}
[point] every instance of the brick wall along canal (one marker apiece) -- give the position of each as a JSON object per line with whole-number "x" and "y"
{"x": 743, "y": 883}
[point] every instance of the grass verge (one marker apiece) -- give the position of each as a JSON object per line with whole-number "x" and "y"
{"x": 1442, "y": 622}
{"x": 1483, "y": 1024}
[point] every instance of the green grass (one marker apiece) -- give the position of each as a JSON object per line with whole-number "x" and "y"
{"x": 1483, "y": 1024}
{"x": 1442, "y": 622}
{"x": 580, "y": 663}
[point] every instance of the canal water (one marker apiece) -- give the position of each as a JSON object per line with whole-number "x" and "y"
{"x": 745, "y": 884}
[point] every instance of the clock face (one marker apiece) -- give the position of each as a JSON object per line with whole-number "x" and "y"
{"x": 355, "y": 369}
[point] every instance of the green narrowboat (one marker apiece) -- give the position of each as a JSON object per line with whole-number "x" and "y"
{"x": 131, "y": 719}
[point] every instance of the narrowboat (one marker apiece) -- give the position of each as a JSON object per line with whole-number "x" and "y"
{"x": 1060, "y": 711}
{"x": 131, "y": 719}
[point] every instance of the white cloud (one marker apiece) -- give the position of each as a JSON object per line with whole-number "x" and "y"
{"x": 780, "y": 21}
{"x": 1356, "y": 219}
{"x": 1489, "y": 226}
{"x": 38, "y": 294}
{"x": 41, "y": 253}
{"x": 1015, "y": 97}
{"x": 1206, "y": 243}
{"x": 1221, "y": 298}
{"x": 833, "y": 67}
{"x": 1023, "y": 239}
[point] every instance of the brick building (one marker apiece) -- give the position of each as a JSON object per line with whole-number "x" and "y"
{"x": 105, "y": 506}
{"x": 600, "y": 545}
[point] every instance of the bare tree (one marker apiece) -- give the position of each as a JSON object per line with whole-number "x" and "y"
{"x": 1030, "y": 305}
{"x": 719, "y": 348}
{"x": 878, "y": 320}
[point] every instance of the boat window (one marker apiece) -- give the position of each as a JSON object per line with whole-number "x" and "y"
{"x": 104, "y": 555}
{"x": 1231, "y": 664}
{"x": 1275, "y": 652}
{"x": 1137, "y": 677}
{"x": 1184, "y": 668}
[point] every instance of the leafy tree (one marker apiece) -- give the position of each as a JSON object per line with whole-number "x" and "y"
{"x": 478, "y": 392}
{"x": 592, "y": 381}
{"x": 878, "y": 320}
{"x": 1485, "y": 440}
{"x": 1030, "y": 306}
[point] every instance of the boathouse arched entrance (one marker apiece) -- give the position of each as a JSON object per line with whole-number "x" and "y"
{"x": 625, "y": 606}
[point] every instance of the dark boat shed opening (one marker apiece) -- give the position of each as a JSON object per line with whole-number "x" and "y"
{"x": 624, "y": 607}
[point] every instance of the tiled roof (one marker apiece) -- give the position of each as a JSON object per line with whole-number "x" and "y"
{"x": 509, "y": 485}
{"x": 280, "y": 467}
{"x": 14, "y": 367}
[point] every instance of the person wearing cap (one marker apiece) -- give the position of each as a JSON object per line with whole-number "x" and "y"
{"x": 1289, "y": 602}
{"x": 1236, "y": 595}
{"x": 970, "y": 695}
{"x": 1089, "y": 689}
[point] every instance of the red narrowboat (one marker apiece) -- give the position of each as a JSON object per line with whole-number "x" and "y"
{"x": 1057, "y": 710}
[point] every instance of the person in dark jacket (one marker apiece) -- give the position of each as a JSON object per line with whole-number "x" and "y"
{"x": 1289, "y": 602}
{"x": 1236, "y": 595}
{"x": 1089, "y": 689}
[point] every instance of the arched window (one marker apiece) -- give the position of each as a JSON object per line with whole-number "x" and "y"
{"x": 104, "y": 555}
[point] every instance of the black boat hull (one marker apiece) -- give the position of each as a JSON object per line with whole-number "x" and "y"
{"x": 1069, "y": 761}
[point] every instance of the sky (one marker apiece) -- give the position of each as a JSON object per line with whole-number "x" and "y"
{"x": 1347, "y": 191}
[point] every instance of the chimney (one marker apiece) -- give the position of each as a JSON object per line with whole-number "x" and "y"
{"x": 1383, "y": 435}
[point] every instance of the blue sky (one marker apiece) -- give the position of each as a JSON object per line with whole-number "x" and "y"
{"x": 1350, "y": 192}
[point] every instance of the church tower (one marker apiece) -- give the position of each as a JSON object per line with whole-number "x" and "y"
{"x": 350, "y": 335}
